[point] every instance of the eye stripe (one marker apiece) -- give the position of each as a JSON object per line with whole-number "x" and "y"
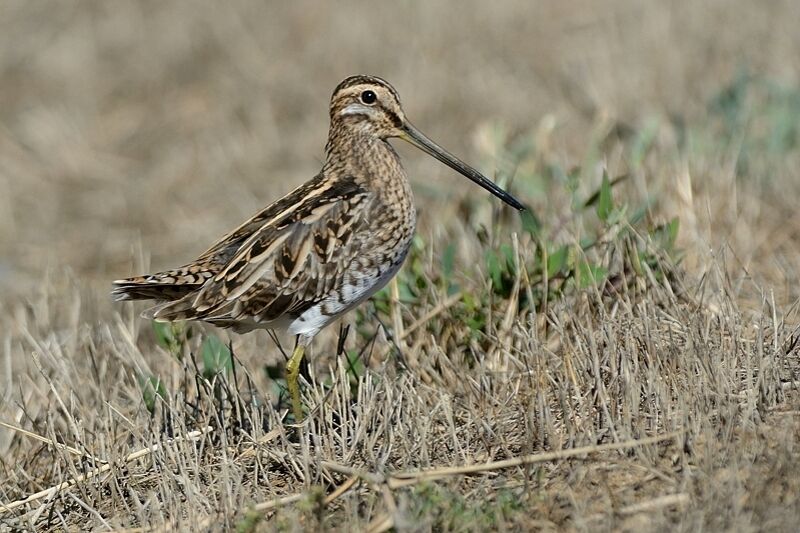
{"x": 394, "y": 118}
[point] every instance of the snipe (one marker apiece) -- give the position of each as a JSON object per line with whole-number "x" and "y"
{"x": 322, "y": 249}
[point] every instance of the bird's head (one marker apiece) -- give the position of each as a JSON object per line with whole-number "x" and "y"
{"x": 369, "y": 105}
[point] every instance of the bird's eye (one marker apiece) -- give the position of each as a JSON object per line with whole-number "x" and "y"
{"x": 368, "y": 97}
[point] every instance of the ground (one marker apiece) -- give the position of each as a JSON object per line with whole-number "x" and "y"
{"x": 624, "y": 356}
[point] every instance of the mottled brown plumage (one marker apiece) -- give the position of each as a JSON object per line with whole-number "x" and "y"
{"x": 322, "y": 249}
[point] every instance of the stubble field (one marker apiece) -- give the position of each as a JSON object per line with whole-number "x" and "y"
{"x": 625, "y": 356}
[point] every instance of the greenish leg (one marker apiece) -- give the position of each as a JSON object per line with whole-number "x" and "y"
{"x": 292, "y": 372}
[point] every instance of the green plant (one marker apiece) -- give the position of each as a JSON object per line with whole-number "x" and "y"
{"x": 152, "y": 389}
{"x": 216, "y": 357}
{"x": 172, "y": 336}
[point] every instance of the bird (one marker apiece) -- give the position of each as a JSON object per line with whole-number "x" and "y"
{"x": 321, "y": 250}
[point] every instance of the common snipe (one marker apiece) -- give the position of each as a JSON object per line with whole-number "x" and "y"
{"x": 320, "y": 250}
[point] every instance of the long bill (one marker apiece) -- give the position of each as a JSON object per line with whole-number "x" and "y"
{"x": 418, "y": 139}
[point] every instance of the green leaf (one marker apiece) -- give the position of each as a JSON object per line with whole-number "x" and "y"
{"x": 672, "y": 231}
{"x": 494, "y": 268}
{"x": 404, "y": 292}
{"x": 470, "y": 303}
{"x": 453, "y": 288}
{"x": 595, "y": 196}
{"x": 508, "y": 254}
{"x": 605, "y": 202}
{"x": 476, "y": 323}
{"x": 171, "y": 336}
{"x": 216, "y": 357}
{"x": 448, "y": 260}
{"x": 590, "y": 275}
{"x": 531, "y": 223}
{"x": 151, "y": 389}
{"x": 587, "y": 242}
{"x": 165, "y": 337}
{"x": 557, "y": 261}
{"x": 355, "y": 366}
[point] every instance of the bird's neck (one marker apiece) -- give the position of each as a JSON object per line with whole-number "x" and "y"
{"x": 363, "y": 156}
{"x": 373, "y": 163}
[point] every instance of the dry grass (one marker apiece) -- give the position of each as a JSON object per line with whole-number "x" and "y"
{"x": 667, "y": 399}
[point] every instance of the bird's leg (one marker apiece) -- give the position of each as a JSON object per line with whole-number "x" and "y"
{"x": 292, "y": 372}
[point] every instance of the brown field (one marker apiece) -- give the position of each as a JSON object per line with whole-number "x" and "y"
{"x": 647, "y": 383}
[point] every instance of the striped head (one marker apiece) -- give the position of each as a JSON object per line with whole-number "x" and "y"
{"x": 368, "y": 105}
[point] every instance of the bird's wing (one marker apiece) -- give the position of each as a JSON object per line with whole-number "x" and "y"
{"x": 283, "y": 264}
{"x": 176, "y": 283}
{"x": 277, "y": 213}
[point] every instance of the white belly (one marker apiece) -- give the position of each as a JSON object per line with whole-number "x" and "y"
{"x": 357, "y": 288}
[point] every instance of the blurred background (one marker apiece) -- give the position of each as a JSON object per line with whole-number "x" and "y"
{"x": 133, "y": 134}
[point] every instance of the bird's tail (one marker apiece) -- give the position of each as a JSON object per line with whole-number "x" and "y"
{"x": 165, "y": 286}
